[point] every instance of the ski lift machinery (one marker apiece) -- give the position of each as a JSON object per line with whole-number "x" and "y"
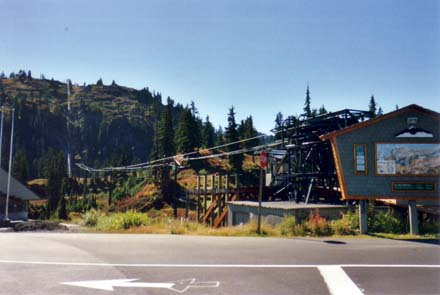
{"x": 303, "y": 169}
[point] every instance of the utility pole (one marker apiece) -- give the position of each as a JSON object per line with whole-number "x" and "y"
{"x": 1, "y": 134}
{"x": 176, "y": 170}
{"x": 10, "y": 167}
{"x": 263, "y": 164}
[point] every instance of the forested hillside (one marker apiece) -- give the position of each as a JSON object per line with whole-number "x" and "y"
{"x": 108, "y": 124}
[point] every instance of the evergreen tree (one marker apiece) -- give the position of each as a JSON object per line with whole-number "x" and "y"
{"x": 99, "y": 82}
{"x": 307, "y": 106}
{"x": 185, "y": 134}
{"x": 380, "y": 111}
{"x": 55, "y": 172}
{"x": 322, "y": 110}
{"x": 231, "y": 135}
{"x": 208, "y": 134}
{"x": 372, "y": 107}
{"x": 278, "y": 125}
{"x": 29, "y": 75}
{"x": 164, "y": 147}
{"x": 219, "y": 136}
{"x": 249, "y": 131}
{"x": 193, "y": 108}
{"x": 20, "y": 167}
{"x": 2, "y": 75}
{"x": 62, "y": 208}
{"x": 165, "y": 130}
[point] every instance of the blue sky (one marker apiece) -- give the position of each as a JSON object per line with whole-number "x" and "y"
{"x": 256, "y": 55}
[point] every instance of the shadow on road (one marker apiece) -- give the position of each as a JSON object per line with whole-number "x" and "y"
{"x": 433, "y": 241}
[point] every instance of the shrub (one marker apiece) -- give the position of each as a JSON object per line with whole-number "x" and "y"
{"x": 120, "y": 221}
{"x": 430, "y": 227}
{"x": 347, "y": 225}
{"x": 91, "y": 217}
{"x": 287, "y": 226}
{"x": 385, "y": 222}
{"x": 317, "y": 225}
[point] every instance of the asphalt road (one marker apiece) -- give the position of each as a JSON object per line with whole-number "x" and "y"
{"x": 55, "y": 263}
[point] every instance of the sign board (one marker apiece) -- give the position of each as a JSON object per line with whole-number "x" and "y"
{"x": 413, "y": 187}
{"x": 277, "y": 154}
{"x": 263, "y": 159}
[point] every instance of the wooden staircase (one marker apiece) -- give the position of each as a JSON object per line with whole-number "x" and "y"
{"x": 222, "y": 216}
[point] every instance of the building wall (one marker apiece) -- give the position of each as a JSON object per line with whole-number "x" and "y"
{"x": 18, "y": 209}
{"x": 242, "y": 214}
{"x": 372, "y": 184}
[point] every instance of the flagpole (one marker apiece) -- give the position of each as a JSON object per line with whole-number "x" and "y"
{"x": 10, "y": 167}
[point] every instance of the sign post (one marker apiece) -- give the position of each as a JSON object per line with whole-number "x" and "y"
{"x": 263, "y": 164}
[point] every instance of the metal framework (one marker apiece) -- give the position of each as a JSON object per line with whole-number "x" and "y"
{"x": 307, "y": 171}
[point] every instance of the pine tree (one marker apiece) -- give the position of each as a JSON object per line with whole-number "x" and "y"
{"x": 231, "y": 135}
{"x": 219, "y": 136}
{"x": 208, "y": 134}
{"x": 307, "y": 106}
{"x": 99, "y": 82}
{"x": 380, "y": 111}
{"x": 164, "y": 147}
{"x": 278, "y": 125}
{"x": 166, "y": 132}
{"x": 249, "y": 132}
{"x": 62, "y": 208}
{"x": 55, "y": 172}
{"x": 322, "y": 110}
{"x": 372, "y": 107}
{"x": 20, "y": 169}
{"x": 185, "y": 139}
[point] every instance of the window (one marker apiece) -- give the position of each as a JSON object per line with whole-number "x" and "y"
{"x": 360, "y": 159}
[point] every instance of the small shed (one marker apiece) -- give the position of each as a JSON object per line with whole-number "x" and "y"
{"x": 19, "y": 196}
{"x": 393, "y": 156}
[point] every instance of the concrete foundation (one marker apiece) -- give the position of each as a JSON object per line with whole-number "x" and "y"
{"x": 241, "y": 212}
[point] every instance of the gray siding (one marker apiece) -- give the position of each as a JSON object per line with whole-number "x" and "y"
{"x": 374, "y": 185}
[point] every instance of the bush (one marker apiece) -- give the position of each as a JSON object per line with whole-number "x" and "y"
{"x": 91, "y": 217}
{"x": 317, "y": 225}
{"x": 385, "y": 222}
{"x": 289, "y": 227}
{"x": 120, "y": 221}
{"x": 430, "y": 227}
{"x": 347, "y": 225}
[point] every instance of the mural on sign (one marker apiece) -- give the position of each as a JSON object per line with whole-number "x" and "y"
{"x": 408, "y": 159}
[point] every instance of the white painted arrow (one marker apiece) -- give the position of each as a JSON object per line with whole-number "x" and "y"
{"x": 178, "y": 286}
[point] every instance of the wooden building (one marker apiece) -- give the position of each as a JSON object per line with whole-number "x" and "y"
{"x": 394, "y": 156}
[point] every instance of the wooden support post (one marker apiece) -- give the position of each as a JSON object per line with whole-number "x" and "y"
{"x": 221, "y": 196}
{"x": 363, "y": 218}
{"x": 205, "y": 199}
{"x": 198, "y": 206}
{"x": 186, "y": 205}
{"x": 413, "y": 221}
{"x": 260, "y": 196}
{"x": 213, "y": 195}
{"x": 227, "y": 196}
{"x": 175, "y": 191}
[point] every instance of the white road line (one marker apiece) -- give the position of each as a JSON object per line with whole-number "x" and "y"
{"x": 337, "y": 281}
{"x": 215, "y": 265}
